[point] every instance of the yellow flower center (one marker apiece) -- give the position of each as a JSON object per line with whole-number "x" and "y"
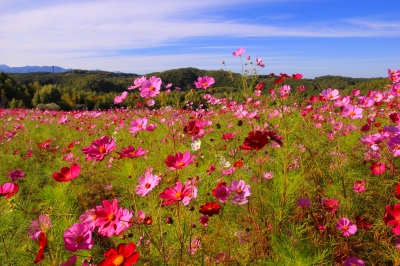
{"x": 178, "y": 195}
{"x": 204, "y": 84}
{"x": 152, "y": 88}
{"x": 239, "y": 191}
{"x": 118, "y": 260}
{"x": 180, "y": 164}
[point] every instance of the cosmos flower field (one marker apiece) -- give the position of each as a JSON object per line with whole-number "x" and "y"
{"x": 275, "y": 179}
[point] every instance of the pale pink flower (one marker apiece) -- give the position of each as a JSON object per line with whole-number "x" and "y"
{"x": 138, "y": 124}
{"x": 240, "y": 191}
{"x": 150, "y": 87}
{"x": 137, "y": 83}
{"x": 239, "y": 51}
{"x": 352, "y": 111}
{"x": 330, "y": 94}
{"x": 147, "y": 183}
{"x": 119, "y": 99}
{"x": 194, "y": 245}
{"x": 41, "y": 225}
{"x": 268, "y": 175}
{"x": 89, "y": 219}
{"x": 260, "y": 62}
{"x": 359, "y": 186}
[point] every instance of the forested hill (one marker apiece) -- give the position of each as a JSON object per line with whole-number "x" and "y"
{"x": 78, "y": 89}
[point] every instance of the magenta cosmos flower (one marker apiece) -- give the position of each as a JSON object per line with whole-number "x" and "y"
{"x": 99, "y": 148}
{"x": 392, "y": 218}
{"x": 346, "y": 227}
{"x": 8, "y": 189}
{"x": 78, "y": 236}
{"x": 178, "y": 193}
{"x": 330, "y": 94}
{"x": 16, "y": 174}
{"x": 377, "y": 168}
{"x": 354, "y": 261}
{"x": 260, "y": 63}
{"x": 67, "y": 173}
{"x": 239, "y": 51}
{"x": 179, "y": 161}
{"x": 147, "y": 183}
{"x": 131, "y": 152}
{"x": 150, "y": 87}
{"x": 204, "y": 82}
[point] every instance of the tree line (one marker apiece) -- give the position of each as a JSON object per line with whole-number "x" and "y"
{"x": 82, "y": 89}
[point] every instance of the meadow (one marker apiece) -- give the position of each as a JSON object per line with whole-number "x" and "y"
{"x": 276, "y": 178}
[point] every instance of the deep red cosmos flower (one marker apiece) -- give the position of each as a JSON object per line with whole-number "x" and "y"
{"x": 122, "y": 255}
{"x": 67, "y": 173}
{"x": 42, "y": 245}
{"x": 256, "y": 140}
{"x": 392, "y": 217}
{"x": 210, "y": 208}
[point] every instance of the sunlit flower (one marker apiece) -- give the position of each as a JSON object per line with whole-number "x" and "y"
{"x": 179, "y": 160}
{"x": 239, "y": 51}
{"x": 99, "y": 148}
{"x": 150, "y": 87}
{"x": 260, "y": 62}
{"x": 131, "y": 152}
{"x": 120, "y": 98}
{"x": 147, "y": 183}
{"x": 123, "y": 255}
{"x": 67, "y": 173}
{"x": 204, "y": 82}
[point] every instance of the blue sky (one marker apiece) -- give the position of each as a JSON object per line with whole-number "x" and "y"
{"x": 314, "y": 37}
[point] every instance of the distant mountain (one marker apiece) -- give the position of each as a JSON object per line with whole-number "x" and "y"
{"x": 29, "y": 69}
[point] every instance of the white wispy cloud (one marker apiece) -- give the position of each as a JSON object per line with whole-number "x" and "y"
{"x": 44, "y": 32}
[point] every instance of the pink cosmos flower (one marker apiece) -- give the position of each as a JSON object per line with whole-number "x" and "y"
{"x": 330, "y": 94}
{"x": 378, "y": 168}
{"x": 131, "y": 152}
{"x": 39, "y": 226}
{"x": 393, "y": 145}
{"x": 392, "y": 217}
{"x": 394, "y": 75}
{"x": 111, "y": 219}
{"x": 346, "y": 227}
{"x": 177, "y": 193}
{"x": 71, "y": 261}
{"x": 8, "y": 189}
{"x": 16, "y": 174}
{"x": 137, "y": 83}
{"x": 119, "y": 99}
{"x": 89, "y": 219}
{"x": 359, "y": 186}
{"x": 179, "y": 161}
{"x": 150, "y": 87}
{"x": 260, "y": 62}
{"x": 194, "y": 245}
{"x": 204, "y": 82}
{"x": 138, "y": 124}
{"x": 67, "y": 173}
{"x": 78, "y": 236}
{"x": 240, "y": 191}
{"x": 268, "y": 175}
{"x": 352, "y": 111}
{"x": 99, "y": 148}
{"x": 239, "y": 51}
{"x": 147, "y": 183}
